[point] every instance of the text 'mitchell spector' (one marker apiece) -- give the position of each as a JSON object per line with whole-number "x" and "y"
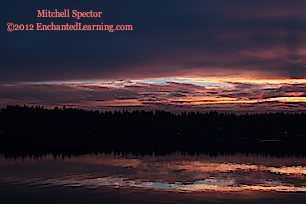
{"x": 66, "y": 14}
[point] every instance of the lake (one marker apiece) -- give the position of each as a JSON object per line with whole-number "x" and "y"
{"x": 173, "y": 178}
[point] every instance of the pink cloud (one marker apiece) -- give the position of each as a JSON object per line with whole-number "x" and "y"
{"x": 171, "y": 96}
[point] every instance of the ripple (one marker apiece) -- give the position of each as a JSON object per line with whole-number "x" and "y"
{"x": 197, "y": 186}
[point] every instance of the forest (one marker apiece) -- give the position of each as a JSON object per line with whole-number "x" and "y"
{"x": 24, "y": 128}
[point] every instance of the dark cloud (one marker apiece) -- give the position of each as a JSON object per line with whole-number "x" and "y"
{"x": 170, "y": 38}
{"x": 177, "y": 97}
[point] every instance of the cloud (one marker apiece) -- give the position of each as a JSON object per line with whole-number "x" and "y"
{"x": 255, "y": 96}
{"x": 256, "y": 39}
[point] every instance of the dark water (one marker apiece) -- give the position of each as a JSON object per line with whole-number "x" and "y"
{"x": 174, "y": 178}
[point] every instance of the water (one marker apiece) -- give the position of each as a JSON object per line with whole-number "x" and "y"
{"x": 109, "y": 178}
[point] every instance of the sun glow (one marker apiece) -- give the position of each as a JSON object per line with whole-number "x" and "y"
{"x": 246, "y": 80}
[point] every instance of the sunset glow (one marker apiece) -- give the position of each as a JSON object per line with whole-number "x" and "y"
{"x": 250, "y": 57}
{"x": 172, "y": 101}
{"x": 178, "y": 94}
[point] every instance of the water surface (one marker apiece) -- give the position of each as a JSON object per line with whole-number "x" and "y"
{"x": 153, "y": 179}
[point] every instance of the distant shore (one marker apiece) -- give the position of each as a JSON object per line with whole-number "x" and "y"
{"x": 24, "y": 129}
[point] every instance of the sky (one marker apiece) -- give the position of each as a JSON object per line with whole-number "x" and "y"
{"x": 175, "y": 55}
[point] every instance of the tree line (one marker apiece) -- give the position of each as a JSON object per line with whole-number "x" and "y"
{"x": 147, "y": 131}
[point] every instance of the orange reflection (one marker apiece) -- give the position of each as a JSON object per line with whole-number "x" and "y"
{"x": 230, "y": 167}
{"x": 216, "y": 167}
{"x": 199, "y": 186}
{"x": 245, "y": 188}
{"x": 288, "y": 170}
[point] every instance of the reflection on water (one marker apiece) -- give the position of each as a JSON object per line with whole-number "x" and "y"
{"x": 168, "y": 173}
